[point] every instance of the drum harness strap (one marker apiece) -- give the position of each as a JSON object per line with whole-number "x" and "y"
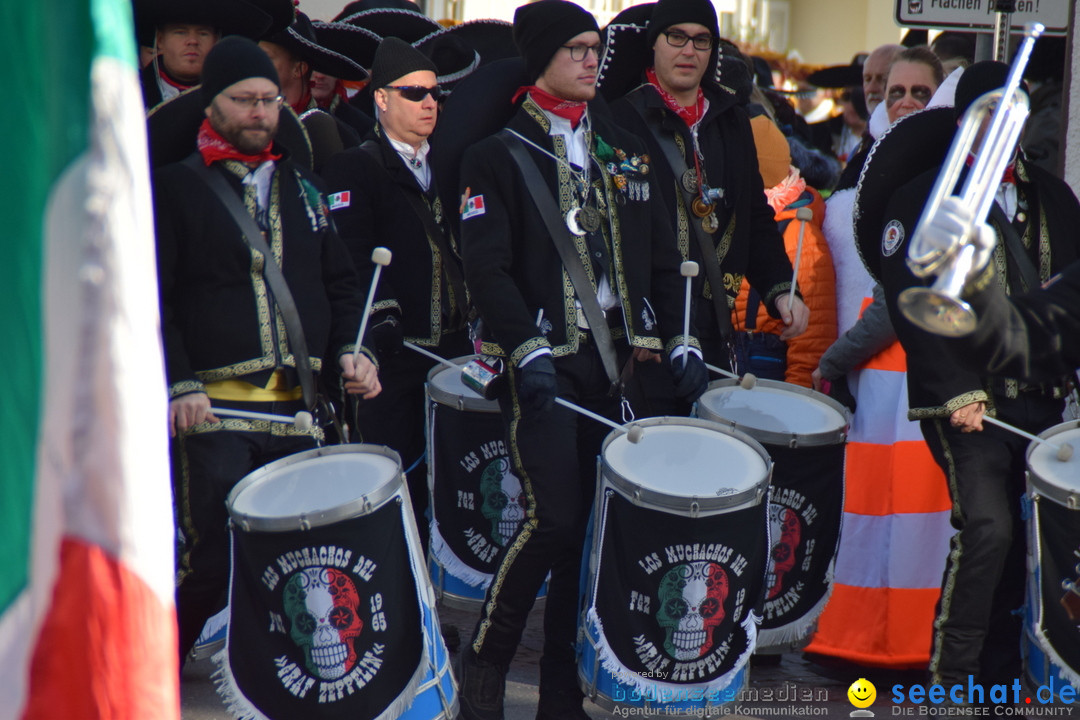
{"x": 559, "y": 233}
{"x": 271, "y": 271}
{"x": 423, "y": 212}
{"x": 678, "y": 166}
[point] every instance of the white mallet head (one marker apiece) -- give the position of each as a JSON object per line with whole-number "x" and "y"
{"x": 381, "y": 256}
{"x": 805, "y": 214}
{"x": 748, "y": 381}
{"x": 635, "y": 433}
{"x": 303, "y": 421}
{"x": 1065, "y": 452}
{"x": 689, "y": 269}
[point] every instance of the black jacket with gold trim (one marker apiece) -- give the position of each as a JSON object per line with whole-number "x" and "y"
{"x": 370, "y": 208}
{"x": 939, "y": 382}
{"x": 748, "y": 243}
{"x": 514, "y": 271}
{"x": 218, "y": 318}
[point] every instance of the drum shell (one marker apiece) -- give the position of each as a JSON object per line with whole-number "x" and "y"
{"x": 362, "y": 502}
{"x": 1041, "y": 460}
{"x": 766, "y": 436}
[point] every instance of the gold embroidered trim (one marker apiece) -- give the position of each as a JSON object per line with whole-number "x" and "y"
{"x": 527, "y": 347}
{"x": 184, "y": 387}
{"x": 678, "y": 341}
{"x": 951, "y": 406}
{"x": 276, "y": 429}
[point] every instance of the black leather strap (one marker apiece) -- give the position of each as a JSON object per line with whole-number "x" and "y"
{"x": 453, "y": 272}
{"x": 677, "y": 163}
{"x": 1014, "y": 248}
{"x": 279, "y": 288}
{"x": 560, "y": 235}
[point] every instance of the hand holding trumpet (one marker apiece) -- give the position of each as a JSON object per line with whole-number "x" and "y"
{"x": 955, "y": 225}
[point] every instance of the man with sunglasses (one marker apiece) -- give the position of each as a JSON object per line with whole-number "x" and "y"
{"x": 702, "y": 150}
{"x": 560, "y": 337}
{"x": 229, "y": 341}
{"x": 383, "y": 193}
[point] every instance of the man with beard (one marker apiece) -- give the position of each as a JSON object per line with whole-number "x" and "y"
{"x": 228, "y": 332}
{"x": 560, "y": 338}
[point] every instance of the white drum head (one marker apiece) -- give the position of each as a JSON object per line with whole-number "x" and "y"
{"x": 445, "y": 386}
{"x": 775, "y": 412}
{"x": 316, "y": 487}
{"x": 680, "y": 459}
{"x": 1049, "y": 476}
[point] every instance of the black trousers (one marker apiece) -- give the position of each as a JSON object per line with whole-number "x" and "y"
{"x": 978, "y": 623}
{"x": 396, "y": 416}
{"x": 554, "y": 454}
{"x": 207, "y": 462}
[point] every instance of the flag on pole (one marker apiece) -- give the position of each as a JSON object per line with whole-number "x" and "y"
{"x": 87, "y": 621}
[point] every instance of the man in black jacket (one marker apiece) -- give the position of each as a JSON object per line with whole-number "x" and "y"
{"x": 977, "y": 628}
{"x": 226, "y": 339}
{"x": 702, "y": 151}
{"x": 606, "y": 215}
{"x": 383, "y": 194}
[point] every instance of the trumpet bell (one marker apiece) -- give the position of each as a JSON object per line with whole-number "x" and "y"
{"x": 937, "y": 312}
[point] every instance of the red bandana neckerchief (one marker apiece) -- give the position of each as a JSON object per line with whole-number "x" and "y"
{"x": 170, "y": 81}
{"x": 571, "y": 110}
{"x": 213, "y": 148}
{"x": 304, "y": 104}
{"x": 689, "y": 113}
{"x": 1009, "y": 176}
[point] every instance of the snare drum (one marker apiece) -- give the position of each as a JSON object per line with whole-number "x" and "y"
{"x": 331, "y": 610}
{"x": 1051, "y": 640}
{"x": 804, "y": 432}
{"x": 477, "y": 501}
{"x": 678, "y": 542}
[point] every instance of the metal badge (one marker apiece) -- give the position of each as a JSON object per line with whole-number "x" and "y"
{"x": 710, "y": 223}
{"x": 689, "y": 181}
{"x": 572, "y": 216}
{"x": 589, "y": 219}
{"x": 700, "y": 208}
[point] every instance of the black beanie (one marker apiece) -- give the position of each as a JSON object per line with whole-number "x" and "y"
{"x": 672, "y": 12}
{"x": 231, "y": 60}
{"x": 396, "y": 58}
{"x": 542, "y": 27}
{"x": 976, "y": 81}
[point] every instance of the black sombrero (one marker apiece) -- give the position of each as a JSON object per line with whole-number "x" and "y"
{"x": 304, "y": 42}
{"x": 915, "y": 145}
{"x": 363, "y": 5}
{"x": 356, "y": 43}
{"x": 229, "y": 17}
{"x": 409, "y": 25}
{"x": 281, "y": 12}
{"x": 460, "y": 49}
{"x": 839, "y": 76}
{"x": 173, "y": 129}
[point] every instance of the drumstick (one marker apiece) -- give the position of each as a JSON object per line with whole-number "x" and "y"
{"x": 803, "y": 215}
{"x": 416, "y": 348}
{"x": 746, "y": 382}
{"x": 380, "y": 256}
{"x": 633, "y": 433}
{"x": 689, "y": 270}
{"x": 302, "y": 420}
{"x": 1064, "y": 452}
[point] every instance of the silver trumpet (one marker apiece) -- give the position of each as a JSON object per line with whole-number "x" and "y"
{"x": 939, "y": 309}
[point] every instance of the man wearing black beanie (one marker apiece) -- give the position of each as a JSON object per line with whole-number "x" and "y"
{"x": 1027, "y": 238}
{"x": 702, "y": 146}
{"x": 560, "y": 338}
{"x": 229, "y": 342}
{"x": 383, "y": 193}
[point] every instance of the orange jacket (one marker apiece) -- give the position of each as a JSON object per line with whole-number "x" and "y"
{"x": 817, "y": 284}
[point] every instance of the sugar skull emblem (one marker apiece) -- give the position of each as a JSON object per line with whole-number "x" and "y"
{"x": 785, "y": 528}
{"x": 692, "y": 599}
{"x": 323, "y": 609}
{"x": 504, "y": 500}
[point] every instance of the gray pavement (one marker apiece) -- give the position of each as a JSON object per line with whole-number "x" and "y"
{"x": 786, "y": 686}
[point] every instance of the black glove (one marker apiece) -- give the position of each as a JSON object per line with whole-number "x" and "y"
{"x": 387, "y": 336}
{"x": 691, "y": 376}
{"x": 538, "y": 388}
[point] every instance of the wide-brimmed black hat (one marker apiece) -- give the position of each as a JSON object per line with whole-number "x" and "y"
{"x": 281, "y": 12}
{"x": 409, "y": 25}
{"x": 173, "y": 130}
{"x": 302, "y": 40}
{"x": 354, "y": 42}
{"x": 229, "y": 17}
{"x": 460, "y": 49}
{"x": 628, "y": 52}
{"x": 839, "y": 76}
{"x": 891, "y": 164}
{"x": 362, "y": 5}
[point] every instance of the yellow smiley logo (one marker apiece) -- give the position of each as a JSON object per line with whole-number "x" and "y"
{"x": 862, "y": 693}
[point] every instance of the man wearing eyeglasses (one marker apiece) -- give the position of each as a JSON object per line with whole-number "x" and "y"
{"x": 228, "y": 342}
{"x": 702, "y": 150}
{"x": 383, "y": 193}
{"x": 596, "y": 184}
